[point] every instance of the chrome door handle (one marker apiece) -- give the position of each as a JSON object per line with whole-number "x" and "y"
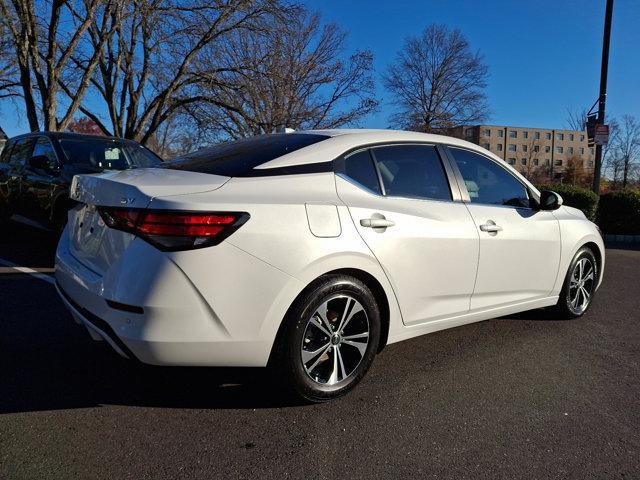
{"x": 377, "y": 222}
{"x": 491, "y": 227}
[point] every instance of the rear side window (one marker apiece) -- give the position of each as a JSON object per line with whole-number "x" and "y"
{"x": 359, "y": 167}
{"x": 239, "y": 157}
{"x": 45, "y": 148}
{"x": 412, "y": 171}
{"x": 487, "y": 182}
{"x": 108, "y": 154}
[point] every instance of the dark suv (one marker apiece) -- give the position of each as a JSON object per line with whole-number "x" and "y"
{"x": 36, "y": 170}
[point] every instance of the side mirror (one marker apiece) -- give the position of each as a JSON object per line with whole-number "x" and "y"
{"x": 550, "y": 200}
{"x": 42, "y": 162}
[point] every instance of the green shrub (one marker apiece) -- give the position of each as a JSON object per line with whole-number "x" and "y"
{"x": 619, "y": 212}
{"x": 576, "y": 197}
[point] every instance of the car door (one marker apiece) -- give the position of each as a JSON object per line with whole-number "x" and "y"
{"x": 40, "y": 186}
{"x": 410, "y": 216}
{"x": 519, "y": 245}
{"x": 20, "y": 154}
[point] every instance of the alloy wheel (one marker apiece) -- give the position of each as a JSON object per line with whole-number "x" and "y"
{"x": 581, "y": 285}
{"x": 335, "y": 340}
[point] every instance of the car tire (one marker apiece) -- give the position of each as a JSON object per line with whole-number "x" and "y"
{"x": 329, "y": 338}
{"x": 579, "y": 285}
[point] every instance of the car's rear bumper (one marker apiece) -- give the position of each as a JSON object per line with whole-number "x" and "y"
{"x": 173, "y": 322}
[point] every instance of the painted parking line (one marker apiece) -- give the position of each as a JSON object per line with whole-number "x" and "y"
{"x": 38, "y": 273}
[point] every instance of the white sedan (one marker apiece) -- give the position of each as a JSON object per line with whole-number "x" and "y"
{"x": 311, "y": 251}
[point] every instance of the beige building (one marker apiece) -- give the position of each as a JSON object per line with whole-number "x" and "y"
{"x": 539, "y": 150}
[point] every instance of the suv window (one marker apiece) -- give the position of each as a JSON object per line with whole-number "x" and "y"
{"x": 21, "y": 151}
{"x": 44, "y": 147}
{"x": 239, "y": 157}
{"x": 487, "y": 182}
{"x": 359, "y": 167}
{"x": 6, "y": 152}
{"x": 412, "y": 171}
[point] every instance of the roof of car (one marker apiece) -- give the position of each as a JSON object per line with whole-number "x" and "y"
{"x": 70, "y": 135}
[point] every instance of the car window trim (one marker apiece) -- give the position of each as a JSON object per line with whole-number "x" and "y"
{"x": 454, "y": 188}
{"x": 53, "y": 147}
{"x": 463, "y": 187}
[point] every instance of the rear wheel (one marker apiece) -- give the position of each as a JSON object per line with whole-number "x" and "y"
{"x": 579, "y": 285}
{"x": 330, "y": 338}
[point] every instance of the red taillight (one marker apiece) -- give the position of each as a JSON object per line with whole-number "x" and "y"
{"x": 170, "y": 230}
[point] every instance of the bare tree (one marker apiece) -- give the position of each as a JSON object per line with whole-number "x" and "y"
{"x": 151, "y": 66}
{"x": 9, "y": 82}
{"x": 576, "y": 119}
{"x": 437, "y": 82}
{"x": 292, "y": 74}
{"x": 43, "y": 50}
{"x": 535, "y": 172}
{"x": 626, "y": 149}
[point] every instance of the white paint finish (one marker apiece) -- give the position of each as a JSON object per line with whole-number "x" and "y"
{"x": 519, "y": 262}
{"x": 323, "y": 220}
{"x": 430, "y": 255}
{"x": 223, "y": 305}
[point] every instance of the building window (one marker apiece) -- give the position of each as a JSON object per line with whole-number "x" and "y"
{"x": 581, "y": 151}
{"x": 570, "y": 150}
{"x": 513, "y": 134}
{"x": 536, "y": 148}
{"x": 523, "y": 161}
{"x": 487, "y": 132}
{"x": 525, "y": 134}
{"x": 512, "y": 161}
{"x": 537, "y": 136}
{"x": 499, "y": 147}
{"x": 512, "y": 147}
{"x": 558, "y": 163}
{"x": 547, "y": 136}
{"x": 486, "y": 145}
{"x": 500, "y": 133}
{"x": 591, "y": 150}
{"x": 524, "y": 148}
{"x": 536, "y": 162}
{"x": 547, "y": 149}
{"x": 560, "y": 136}
{"x": 559, "y": 150}
{"x": 582, "y": 138}
{"x": 590, "y": 163}
{"x": 547, "y": 161}
{"x": 571, "y": 137}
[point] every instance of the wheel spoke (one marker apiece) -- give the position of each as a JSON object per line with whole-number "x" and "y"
{"x": 317, "y": 361}
{"x": 574, "y": 302}
{"x": 355, "y": 337}
{"x": 308, "y": 355}
{"x": 322, "y": 312}
{"x": 334, "y": 372}
{"x": 361, "y": 346}
{"x": 580, "y": 268}
{"x": 585, "y": 297}
{"x": 343, "y": 371}
{"x": 318, "y": 324}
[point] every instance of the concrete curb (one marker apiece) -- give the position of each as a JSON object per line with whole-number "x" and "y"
{"x": 622, "y": 238}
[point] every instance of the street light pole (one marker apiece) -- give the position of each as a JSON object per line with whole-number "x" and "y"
{"x": 604, "y": 69}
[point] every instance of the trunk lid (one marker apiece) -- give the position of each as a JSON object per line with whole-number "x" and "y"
{"x": 94, "y": 244}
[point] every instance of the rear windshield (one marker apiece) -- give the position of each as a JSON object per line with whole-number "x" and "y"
{"x": 108, "y": 154}
{"x": 238, "y": 158}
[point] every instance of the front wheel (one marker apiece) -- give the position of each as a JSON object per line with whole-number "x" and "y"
{"x": 329, "y": 339}
{"x": 579, "y": 285}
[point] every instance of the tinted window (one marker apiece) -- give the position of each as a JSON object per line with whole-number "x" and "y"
{"x": 43, "y": 147}
{"x": 487, "y": 182}
{"x": 6, "y": 153}
{"x": 108, "y": 154}
{"x": 239, "y": 157}
{"x": 412, "y": 171}
{"x": 359, "y": 167}
{"x": 21, "y": 151}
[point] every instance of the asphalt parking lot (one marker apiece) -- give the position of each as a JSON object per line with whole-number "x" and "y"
{"x": 520, "y": 397}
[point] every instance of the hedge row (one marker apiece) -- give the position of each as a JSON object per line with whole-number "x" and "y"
{"x": 576, "y": 197}
{"x": 617, "y": 213}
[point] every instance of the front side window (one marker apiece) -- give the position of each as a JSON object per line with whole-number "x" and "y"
{"x": 487, "y": 182}
{"x": 359, "y": 167}
{"x": 412, "y": 171}
{"x": 21, "y": 151}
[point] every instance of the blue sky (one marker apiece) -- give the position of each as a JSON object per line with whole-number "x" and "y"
{"x": 543, "y": 56}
